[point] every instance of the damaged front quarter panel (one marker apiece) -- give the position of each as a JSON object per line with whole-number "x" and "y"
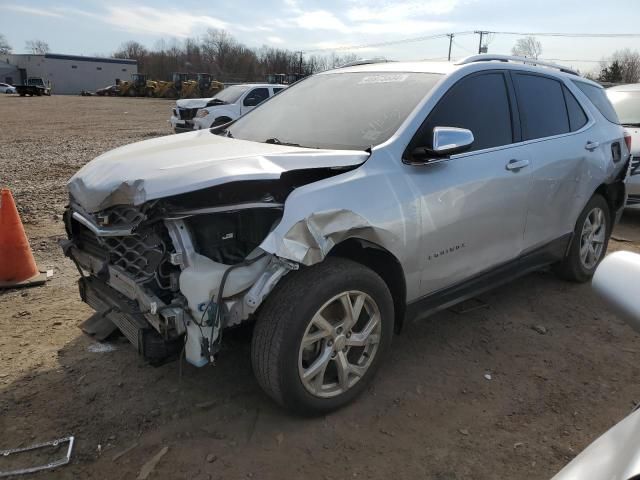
{"x": 323, "y": 214}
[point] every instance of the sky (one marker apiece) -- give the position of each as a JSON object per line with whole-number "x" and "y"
{"x": 96, "y": 27}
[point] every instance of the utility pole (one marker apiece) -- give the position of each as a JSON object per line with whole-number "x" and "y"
{"x": 482, "y": 33}
{"x": 450, "y": 35}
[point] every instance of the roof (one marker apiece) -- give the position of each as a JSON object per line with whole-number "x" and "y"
{"x": 630, "y": 87}
{"x": 473, "y": 63}
{"x": 81, "y": 58}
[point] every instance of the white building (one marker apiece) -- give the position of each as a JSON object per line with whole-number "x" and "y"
{"x": 68, "y": 74}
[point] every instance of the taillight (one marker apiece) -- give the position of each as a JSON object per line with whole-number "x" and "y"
{"x": 627, "y": 140}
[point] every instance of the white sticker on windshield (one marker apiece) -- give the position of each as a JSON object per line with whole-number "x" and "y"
{"x": 385, "y": 78}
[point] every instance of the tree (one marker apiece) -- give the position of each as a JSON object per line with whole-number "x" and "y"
{"x": 131, "y": 50}
{"x": 4, "y": 45}
{"x": 37, "y": 47}
{"x": 622, "y": 67}
{"x": 527, "y": 47}
{"x": 611, "y": 73}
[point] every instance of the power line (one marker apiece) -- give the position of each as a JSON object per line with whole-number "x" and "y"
{"x": 571, "y": 35}
{"x": 388, "y": 43}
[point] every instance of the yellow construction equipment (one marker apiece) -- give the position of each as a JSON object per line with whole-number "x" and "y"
{"x": 202, "y": 87}
{"x": 139, "y": 86}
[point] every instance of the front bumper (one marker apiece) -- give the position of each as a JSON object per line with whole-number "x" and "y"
{"x": 179, "y": 125}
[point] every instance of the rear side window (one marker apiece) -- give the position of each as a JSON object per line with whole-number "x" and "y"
{"x": 577, "y": 117}
{"x": 599, "y": 98}
{"x": 542, "y": 108}
{"x": 478, "y": 103}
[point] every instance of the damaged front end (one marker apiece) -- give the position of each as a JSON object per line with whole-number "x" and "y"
{"x": 172, "y": 273}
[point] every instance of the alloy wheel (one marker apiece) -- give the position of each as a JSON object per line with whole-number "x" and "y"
{"x": 592, "y": 238}
{"x": 339, "y": 344}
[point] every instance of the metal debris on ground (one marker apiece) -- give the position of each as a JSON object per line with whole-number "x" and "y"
{"x": 468, "y": 306}
{"x": 101, "y": 347}
{"x": 53, "y": 443}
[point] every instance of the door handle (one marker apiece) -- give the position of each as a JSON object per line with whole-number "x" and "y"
{"x": 515, "y": 165}
{"x": 591, "y": 146}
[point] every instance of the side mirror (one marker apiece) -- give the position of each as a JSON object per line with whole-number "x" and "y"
{"x": 446, "y": 141}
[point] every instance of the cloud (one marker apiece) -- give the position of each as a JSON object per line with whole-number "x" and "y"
{"x": 177, "y": 23}
{"x": 31, "y": 11}
{"x": 274, "y": 39}
{"x": 383, "y": 11}
{"x": 319, "y": 20}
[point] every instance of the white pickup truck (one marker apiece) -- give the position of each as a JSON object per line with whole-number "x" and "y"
{"x": 229, "y": 104}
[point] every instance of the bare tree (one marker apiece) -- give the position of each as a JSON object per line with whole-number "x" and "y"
{"x": 4, "y": 45}
{"x": 527, "y": 47}
{"x": 132, "y": 50}
{"x": 37, "y": 47}
{"x": 629, "y": 62}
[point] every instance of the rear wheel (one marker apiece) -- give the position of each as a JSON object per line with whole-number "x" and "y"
{"x": 321, "y": 335}
{"x": 590, "y": 241}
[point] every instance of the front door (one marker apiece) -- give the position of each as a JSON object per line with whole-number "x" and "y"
{"x": 473, "y": 205}
{"x": 254, "y": 98}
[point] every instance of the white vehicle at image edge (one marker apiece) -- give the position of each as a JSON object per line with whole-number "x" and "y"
{"x": 227, "y": 105}
{"x": 626, "y": 102}
{"x": 616, "y": 454}
{"x": 353, "y": 200}
{"x": 6, "y": 88}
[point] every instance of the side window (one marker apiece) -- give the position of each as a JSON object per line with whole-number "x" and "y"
{"x": 276, "y": 90}
{"x": 599, "y": 98}
{"x": 256, "y": 96}
{"x": 478, "y": 103}
{"x": 577, "y": 117}
{"x": 542, "y": 108}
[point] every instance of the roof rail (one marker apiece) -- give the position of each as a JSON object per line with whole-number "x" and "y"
{"x": 512, "y": 58}
{"x": 367, "y": 61}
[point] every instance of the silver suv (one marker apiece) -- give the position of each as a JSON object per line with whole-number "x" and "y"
{"x": 352, "y": 201}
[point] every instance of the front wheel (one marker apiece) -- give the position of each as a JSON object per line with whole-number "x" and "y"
{"x": 321, "y": 335}
{"x": 589, "y": 243}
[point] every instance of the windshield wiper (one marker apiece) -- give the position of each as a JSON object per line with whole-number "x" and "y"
{"x": 275, "y": 141}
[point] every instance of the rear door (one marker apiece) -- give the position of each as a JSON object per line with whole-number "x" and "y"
{"x": 557, "y": 131}
{"x": 473, "y": 205}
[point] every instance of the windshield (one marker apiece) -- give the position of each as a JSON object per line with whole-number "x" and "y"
{"x": 231, "y": 94}
{"x": 627, "y": 105}
{"x": 350, "y": 111}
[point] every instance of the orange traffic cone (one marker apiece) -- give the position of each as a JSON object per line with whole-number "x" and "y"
{"x": 17, "y": 265}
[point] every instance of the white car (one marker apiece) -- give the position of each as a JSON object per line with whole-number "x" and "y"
{"x": 229, "y": 104}
{"x": 6, "y": 88}
{"x": 626, "y": 102}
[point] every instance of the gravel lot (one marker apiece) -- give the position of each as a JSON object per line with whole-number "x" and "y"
{"x": 563, "y": 368}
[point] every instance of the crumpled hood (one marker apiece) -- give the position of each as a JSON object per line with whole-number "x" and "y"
{"x": 193, "y": 102}
{"x": 175, "y": 164}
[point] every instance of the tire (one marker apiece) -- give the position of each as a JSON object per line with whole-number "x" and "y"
{"x": 220, "y": 121}
{"x": 575, "y": 267}
{"x": 289, "y": 315}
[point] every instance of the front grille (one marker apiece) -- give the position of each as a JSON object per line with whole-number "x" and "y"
{"x": 635, "y": 164}
{"x": 187, "y": 113}
{"x": 140, "y": 255}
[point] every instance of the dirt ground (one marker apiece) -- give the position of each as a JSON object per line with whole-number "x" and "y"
{"x": 431, "y": 413}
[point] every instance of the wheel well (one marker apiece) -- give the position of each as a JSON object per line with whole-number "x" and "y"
{"x": 384, "y": 264}
{"x": 613, "y": 193}
{"x": 224, "y": 118}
